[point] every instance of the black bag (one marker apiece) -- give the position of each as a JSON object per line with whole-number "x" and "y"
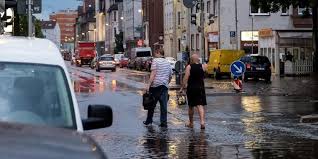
{"x": 148, "y": 101}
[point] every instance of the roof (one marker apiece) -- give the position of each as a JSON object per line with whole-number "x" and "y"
{"x": 29, "y": 50}
{"x": 48, "y": 24}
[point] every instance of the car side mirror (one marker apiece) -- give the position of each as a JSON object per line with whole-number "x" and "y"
{"x": 98, "y": 116}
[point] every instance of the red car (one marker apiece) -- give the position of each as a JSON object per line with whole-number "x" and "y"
{"x": 123, "y": 62}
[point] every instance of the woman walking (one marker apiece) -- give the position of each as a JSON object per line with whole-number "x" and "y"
{"x": 194, "y": 82}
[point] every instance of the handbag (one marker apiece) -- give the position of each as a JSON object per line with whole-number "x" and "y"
{"x": 181, "y": 99}
{"x": 148, "y": 101}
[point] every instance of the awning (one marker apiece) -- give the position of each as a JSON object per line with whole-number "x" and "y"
{"x": 295, "y": 35}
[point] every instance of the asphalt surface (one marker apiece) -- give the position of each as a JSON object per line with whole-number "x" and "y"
{"x": 262, "y": 122}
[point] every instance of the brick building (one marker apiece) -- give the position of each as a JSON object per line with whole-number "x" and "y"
{"x": 66, "y": 20}
{"x": 153, "y": 23}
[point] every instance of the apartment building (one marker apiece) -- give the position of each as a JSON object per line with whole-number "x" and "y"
{"x": 176, "y": 25}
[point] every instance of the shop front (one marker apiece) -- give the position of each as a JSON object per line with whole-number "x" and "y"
{"x": 290, "y": 51}
{"x": 249, "y": 42}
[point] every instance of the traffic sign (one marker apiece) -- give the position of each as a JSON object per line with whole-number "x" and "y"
{"x": 232, "y": 34}
{"x": 237, "y": 68}
{"x": 36, "y": 6}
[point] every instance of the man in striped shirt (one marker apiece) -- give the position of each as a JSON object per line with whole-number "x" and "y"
{"x": 160, "y": 77}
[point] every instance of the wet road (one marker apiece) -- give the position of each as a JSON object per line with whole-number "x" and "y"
{"x": 248, "y": 126}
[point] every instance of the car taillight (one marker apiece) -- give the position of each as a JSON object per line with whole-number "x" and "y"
{"x": 248, "y": 66}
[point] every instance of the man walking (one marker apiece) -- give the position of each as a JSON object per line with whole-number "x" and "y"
{"x": 160, "y": 77}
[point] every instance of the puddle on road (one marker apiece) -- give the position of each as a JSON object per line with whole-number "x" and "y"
{"x": 98, "y": 84}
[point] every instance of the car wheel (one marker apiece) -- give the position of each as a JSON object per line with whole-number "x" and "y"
{"x": 245, "y": 79}
{"x": 217, "y": 75}
{"x": 267, "y": 79}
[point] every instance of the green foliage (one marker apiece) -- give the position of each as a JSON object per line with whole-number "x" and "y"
{"x": 22, "y": 30}
{"x": 119, "y": 43}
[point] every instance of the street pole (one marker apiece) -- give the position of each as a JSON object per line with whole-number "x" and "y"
{"x": 133, "y": 1}
{"x": 202, "y": 30}
{"x": 236, "y": 34}
{"x": 30, "y": 25}
{"x": 252, "y": 34}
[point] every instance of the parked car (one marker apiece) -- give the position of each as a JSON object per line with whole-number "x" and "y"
{"x": 139, "y": 56}
{"x": 117, "y": 58}
{"x": 123, "y": 62}
{"x": 106, "y": 62}
{"x": 147, "y": 64}
{"x": 257, "y": 67}
{"x": 221, "y": 60}
{"x": 22, "y": 141}
{"x": 36, "y": 88}
{"x": 132, "y": 63}
{"x": 172, "y": 62}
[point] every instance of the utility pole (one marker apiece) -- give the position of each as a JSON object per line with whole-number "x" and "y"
{"x": 236, "y": 34}
{"x": 30, "y": 25}
{"x": 252, "y": 34}
{"x": 202, "y": 30}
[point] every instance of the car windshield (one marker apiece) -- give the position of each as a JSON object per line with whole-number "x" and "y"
{"x": 35, "y": 94}
{"x": 106, "y": 59}
{"x": 143, "y": 54}
{"x": 259, "y": 59}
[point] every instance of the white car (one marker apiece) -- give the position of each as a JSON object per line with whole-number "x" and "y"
{"x": 36, "y": 89}
{"x": 172, "y": 61}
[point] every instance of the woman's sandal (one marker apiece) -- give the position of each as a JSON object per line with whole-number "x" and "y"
{"x": 189, "y": 125}
{"x": 202, "y": 127}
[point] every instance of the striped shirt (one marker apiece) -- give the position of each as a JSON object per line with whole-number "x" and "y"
{"x": 164, "y": 72}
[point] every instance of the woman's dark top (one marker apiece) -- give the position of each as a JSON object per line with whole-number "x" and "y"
{"x": 196, "y": 90}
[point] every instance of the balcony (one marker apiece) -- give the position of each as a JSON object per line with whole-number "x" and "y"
{"x": 300, "y": 21}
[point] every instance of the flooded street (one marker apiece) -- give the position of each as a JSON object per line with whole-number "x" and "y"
{"x": 252, "y": 125}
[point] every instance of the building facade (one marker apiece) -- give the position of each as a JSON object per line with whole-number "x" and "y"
{"x": 66, "y": 19}
{"x": 114, "y": 23}
{"x": 133, "y": 29}
{"x": 153, "y": 30}
{"x": 176, "y": 27}
{"x": 100, "y": 15}
{"x": 86, "y": 22}
{"x": 51, "y": 31}
{"x": 245, "y": 34}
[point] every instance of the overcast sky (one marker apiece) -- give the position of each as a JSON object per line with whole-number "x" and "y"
{"x": 49, "y": 6}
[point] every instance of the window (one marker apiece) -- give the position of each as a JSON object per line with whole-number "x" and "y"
{"x": 208, "y": 6}
{"x": 38, "y": 95}
{"x": 197, "y": 41}
{"x": 257, "y": 11}
{"x": 301, "y": 10}
{"x": 115, "y": 16}
{"x": 214, "y": 12}
{"x": 179, "y": 44}
{"x": 192, "y": 42}
{"x": 285, "y": 11}
{"x": 179, "y": 18}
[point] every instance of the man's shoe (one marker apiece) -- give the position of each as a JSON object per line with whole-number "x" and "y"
{"x": 163, "y": 125}
{"x": 146, "y": 123}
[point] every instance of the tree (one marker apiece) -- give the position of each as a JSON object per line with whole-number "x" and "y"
{"x": 22, "y": 29}
{"x": 276, "y": 5}
{"x": 119, "y": 43}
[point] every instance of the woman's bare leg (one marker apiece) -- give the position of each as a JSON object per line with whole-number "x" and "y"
{"x": 201, "y": 114}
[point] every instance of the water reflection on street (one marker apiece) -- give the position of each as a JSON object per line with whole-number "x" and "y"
{"x": 237, "y": 126}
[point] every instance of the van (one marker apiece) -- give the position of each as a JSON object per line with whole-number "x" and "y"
{"x": 141, "y": 52}
{"x": 221, "y": 60}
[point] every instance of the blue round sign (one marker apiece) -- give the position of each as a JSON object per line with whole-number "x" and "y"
{"x": 237, "y": 68}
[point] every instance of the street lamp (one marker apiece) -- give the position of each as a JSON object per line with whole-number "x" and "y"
{"x": 122, "y": 18}
{"x": 139, "y": 10}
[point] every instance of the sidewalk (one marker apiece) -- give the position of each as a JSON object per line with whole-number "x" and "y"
{"x": 280, "y": 86}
